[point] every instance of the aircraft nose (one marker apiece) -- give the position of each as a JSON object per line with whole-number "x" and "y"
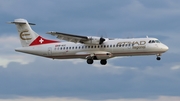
{"x": 165, "y": 48}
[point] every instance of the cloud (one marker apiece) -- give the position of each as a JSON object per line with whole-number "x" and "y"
{"x": 160, "y": 98}
{"x": 7, "y": 53}
{"x": 5, "y": 60}
{"x": 175, "y": 67}
{"x": 43, "y": 99}
{"x": 46, "y": 78}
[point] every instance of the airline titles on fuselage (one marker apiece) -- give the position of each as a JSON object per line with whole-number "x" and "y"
{"x": 134, "y": 44}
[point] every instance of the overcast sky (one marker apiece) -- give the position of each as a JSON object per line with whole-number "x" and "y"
{"x": 28, "y": 77}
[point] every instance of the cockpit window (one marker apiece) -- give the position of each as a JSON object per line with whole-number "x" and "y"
{"x": 154, "y": 41}
{"x": 157, "y": 41}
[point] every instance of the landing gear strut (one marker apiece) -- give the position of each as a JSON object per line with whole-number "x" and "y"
{"x": 103, "y": 62}
{"x": 90, "y": 61}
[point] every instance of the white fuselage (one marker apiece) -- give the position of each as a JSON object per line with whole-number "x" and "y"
{"x": 109, "y": 49}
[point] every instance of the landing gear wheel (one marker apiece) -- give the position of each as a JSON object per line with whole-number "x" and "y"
{"x": 158, "y": 58}
{"x": 103, "y": 62}
{"x": 90, "y": 61}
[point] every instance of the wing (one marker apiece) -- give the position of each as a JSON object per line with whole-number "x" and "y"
{"x": 70, "y": 37}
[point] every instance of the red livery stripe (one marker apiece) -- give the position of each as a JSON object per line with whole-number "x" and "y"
{"x": 40, "y": 40}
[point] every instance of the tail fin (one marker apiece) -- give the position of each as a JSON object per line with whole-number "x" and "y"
{"x": 27, "y": 36}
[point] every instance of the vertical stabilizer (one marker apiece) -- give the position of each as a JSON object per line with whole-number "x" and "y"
{"x": 26, "y": 34}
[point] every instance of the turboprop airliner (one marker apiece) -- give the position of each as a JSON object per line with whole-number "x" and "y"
{"x": 84, "y": 47}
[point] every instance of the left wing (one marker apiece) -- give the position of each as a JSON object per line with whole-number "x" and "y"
{"x": 77, "y": 38}
{"x": 69, "y": 37}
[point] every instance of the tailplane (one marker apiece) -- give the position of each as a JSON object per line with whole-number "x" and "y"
{"x": 27, "y": 36}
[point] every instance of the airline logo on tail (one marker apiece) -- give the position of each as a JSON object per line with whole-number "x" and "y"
{"x": 38, "y": 41}
{"x": 24, "y": 35}
{"x": 27, "y": 36}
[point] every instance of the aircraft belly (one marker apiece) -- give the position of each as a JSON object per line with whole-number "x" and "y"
{"x": 66, "y": 54}
{"x": 32, "y": 50}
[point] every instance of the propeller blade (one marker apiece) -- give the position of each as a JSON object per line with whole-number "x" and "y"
{"x": 101, "y": 40}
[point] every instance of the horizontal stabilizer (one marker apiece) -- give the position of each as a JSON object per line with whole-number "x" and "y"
{"x": 21, "y": 23}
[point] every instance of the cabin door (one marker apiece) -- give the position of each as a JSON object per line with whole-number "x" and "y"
{"x": 49, "y": 51}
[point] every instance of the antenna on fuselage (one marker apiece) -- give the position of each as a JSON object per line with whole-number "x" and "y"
{"x": 147, "y": 37}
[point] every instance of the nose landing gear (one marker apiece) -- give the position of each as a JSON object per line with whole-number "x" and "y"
{"x": 158, "y": 58}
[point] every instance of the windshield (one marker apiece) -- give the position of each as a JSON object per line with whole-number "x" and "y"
{"x": 154, "y": 41}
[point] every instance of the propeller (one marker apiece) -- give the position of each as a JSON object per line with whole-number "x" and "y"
{"x": 101, "y": 33}
{"x": 101, "y": 40}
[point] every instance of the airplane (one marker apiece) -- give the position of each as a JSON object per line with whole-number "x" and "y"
{"x": 84, "y": 47}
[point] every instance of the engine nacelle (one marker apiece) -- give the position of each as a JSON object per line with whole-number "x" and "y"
{"x": 106, "y": 55}
{"x": 101, "y": 55}
{"x": 94, "y": 40}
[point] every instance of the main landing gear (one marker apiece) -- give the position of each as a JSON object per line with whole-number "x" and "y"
{"x": 103, "y": 62}
{"x": 90, "y": 61}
